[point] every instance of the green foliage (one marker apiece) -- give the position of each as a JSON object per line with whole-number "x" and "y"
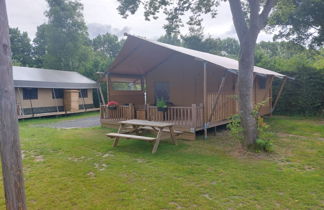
{"x": 173, "y": 10}
{"x": 301, "y": 21}
{"x": 21, "y": 47}
{"x": 171, "y": 39}
{"x": 107, "y": 44}
{"x": 195, "y": 40}
{"x": 61, "y": 42}
{"x": 228, "y": 47}
{"x": 161, "y": 103}
{"x": 305, "y": 94}
{"x": 235, "y": 127}
{"x": 236, "y": 130}
{"x": 263, "y": 145}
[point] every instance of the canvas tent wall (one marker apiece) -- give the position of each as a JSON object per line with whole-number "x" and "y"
{"x": 41, "y": 91}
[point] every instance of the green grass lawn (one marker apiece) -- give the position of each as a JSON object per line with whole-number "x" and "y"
{"x": 79, "y": 169}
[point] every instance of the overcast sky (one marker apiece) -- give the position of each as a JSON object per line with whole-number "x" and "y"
{"x": 102, "y": 16}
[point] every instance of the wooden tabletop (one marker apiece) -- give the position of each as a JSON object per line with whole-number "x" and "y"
{"x": 146, "y": 123}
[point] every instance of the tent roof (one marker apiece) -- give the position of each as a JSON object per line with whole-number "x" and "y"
{"x": 45, "y": 78}
{"x": 139, "y": 56}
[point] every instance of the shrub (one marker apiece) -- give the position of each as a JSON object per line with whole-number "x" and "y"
{"x": 263, "y": 145}
{"x": 236, "y": 130}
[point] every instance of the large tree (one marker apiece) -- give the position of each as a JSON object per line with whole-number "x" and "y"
{"x": 107, "y": 44}
{"x": 21, "y": 47}
{"x": 299, "y": 20}
{"x": 59, "y": 43}
{"x": 9, "y": 133}
{"x": 249, "y": 18}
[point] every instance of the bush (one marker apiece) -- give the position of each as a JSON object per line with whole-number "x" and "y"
{"x": 304, "y": 95}
{"x": 236, "y": 130}
{"x": 263, "y": 145}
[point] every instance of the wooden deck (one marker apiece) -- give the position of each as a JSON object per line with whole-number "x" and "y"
{"x": 189, "y": 120}
{"x": 55, "y": 113}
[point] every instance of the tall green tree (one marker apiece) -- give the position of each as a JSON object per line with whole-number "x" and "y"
{"x": 173, "y": 39}
{"x": 21, "y": 47}
{"x": 300, "y": 20}
{"x": 194, "y": 39}
{"x": 60, "y": 43}
{"x": 225, "y": 47}
{"x": 107, "y": 44}
{"x": 249, "y": 18}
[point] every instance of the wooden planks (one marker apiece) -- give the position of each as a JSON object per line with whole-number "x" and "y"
{"x": 147, "y": 123}
{"x": 136, "y": 126}
{"x": 128, "y": 136}
{"x": 225, "y": 108}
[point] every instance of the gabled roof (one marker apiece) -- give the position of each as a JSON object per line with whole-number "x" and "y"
{"x": 45, "y": 78}
{"x": 138, "y": 56}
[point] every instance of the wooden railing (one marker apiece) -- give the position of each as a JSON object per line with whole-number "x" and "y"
{"x": 189, "y": 117}
{"x": 122, "y": 112}
{"x": 225, "y": 108}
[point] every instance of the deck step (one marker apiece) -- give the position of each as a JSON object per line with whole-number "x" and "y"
{"x": 127, "y": 136}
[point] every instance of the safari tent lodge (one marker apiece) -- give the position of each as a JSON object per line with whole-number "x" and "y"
{"x": 199, "y": 88}
{"x": 43, "y": 92}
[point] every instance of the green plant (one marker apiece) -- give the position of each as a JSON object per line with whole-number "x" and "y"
{"x": 263, "y": 145}
{"x": 263, "y": 129}
{"x": 235, "y": 127}
{"x": 161, "y": 103}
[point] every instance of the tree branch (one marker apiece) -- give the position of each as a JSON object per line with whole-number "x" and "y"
{"x": 238, "y": 19}
{"x": 265, "y": 13}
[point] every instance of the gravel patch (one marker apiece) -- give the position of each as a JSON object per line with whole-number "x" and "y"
{"x": 77, "y": 123}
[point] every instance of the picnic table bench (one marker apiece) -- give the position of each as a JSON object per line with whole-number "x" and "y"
{"x": 128, "y": 127}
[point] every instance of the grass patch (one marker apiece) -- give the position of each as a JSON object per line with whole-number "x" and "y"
{"x": 79, "y": 169}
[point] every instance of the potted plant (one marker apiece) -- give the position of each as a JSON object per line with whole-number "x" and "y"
{"x": 161, "y": 105}
{"x": 112, "y": 105}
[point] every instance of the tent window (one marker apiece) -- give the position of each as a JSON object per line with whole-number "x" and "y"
{"x": 30, "y": 93}
{"x": 83, "y": 93}
{"x": 128, "y": 84}
{"x": 262, "y": 82}
{"x": 162, "y": 91}
{"x": 57, "y": 93}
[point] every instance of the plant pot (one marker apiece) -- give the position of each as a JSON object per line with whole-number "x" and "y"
{"x": 162, "y": 109}
{"x": 112, "y": 107}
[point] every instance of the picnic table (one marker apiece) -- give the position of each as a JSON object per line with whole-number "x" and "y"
{"x": 128, "y": 127}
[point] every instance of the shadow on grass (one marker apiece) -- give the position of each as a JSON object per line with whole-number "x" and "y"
{"x": 141, "y": 147}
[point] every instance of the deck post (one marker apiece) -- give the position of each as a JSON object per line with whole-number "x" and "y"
{"x": 57, "y": 109}
{"x": 205, "y": 101}
{"x": 194, "y": 115}
{"x": 107, "y": 84}
{"x": 21, "y": 102}
{"x": 279, "y": 93}
{"x": 83, "y": 102}
{"x": 31, "y": 106}
{"x": 101, "y": 95}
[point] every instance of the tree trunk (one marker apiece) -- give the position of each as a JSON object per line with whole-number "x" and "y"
{"x": 246, "y": 64}
{"x": 9, "y": 135}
